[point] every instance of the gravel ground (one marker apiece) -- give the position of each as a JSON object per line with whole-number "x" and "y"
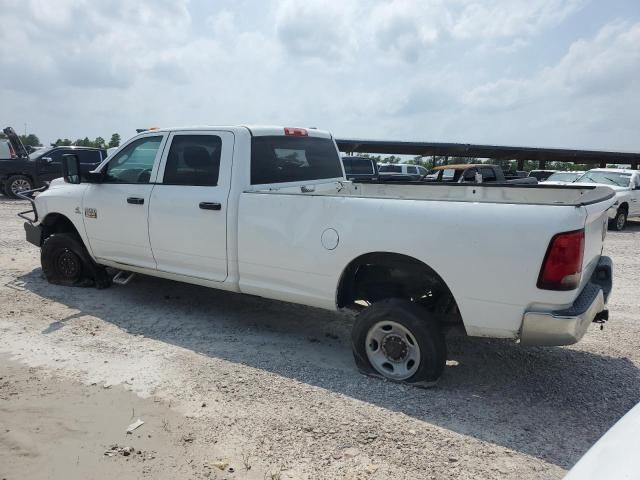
{"x": 227, "y": 382}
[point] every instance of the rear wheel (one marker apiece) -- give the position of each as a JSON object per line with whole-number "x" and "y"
{"x": 65, "y": 261}
{"x": 17, "y": 184}
{"x": 620, "y": 220}
{"x": 400, "y": 341}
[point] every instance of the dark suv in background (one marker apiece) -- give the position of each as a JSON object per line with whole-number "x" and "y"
{"x": 25, "y": 172}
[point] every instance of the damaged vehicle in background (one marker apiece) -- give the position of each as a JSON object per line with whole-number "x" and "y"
{"x": 22, "y": 172}
{"x": 267, "y": 211}
{"x": 477, "y": 173}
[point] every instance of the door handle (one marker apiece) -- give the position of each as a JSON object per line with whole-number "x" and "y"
{"x": 135, "y": 200}
{"x": 210, "y": 206}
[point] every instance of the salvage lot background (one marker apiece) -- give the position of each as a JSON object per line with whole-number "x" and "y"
{"x": 243, "y": 387}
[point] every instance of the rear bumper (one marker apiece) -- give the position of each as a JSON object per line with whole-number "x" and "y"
{"x": 567, "y": 326}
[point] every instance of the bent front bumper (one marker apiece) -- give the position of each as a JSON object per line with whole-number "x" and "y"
{"x": 567, "y": 326}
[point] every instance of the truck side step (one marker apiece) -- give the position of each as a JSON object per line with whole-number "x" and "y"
{"x": 122, "y": 277}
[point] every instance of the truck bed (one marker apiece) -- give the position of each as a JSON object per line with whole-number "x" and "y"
{"x": 581, "y": 195}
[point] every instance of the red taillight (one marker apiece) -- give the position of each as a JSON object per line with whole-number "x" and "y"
{"x": 296, "y": 132}
{"x": 562, "y": 264}
{"x": 12, "y": 151}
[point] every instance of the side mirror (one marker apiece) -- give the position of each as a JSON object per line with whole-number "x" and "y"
{"x": 47, "y": 160}
{"x": 71, "y": 168}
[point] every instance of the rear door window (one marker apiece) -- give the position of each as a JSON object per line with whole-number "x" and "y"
{"x": 193, "y": 160}
{"x": 412, "y": 170}
{"x": 89, "y": 156}
{"x": 282, "y": 159}
{"x": 448, "y": 174}
{"x": 488, "y": 175}
{"x": 361, "y": 167}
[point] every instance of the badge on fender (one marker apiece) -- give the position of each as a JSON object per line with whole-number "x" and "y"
{"x": 91, "y": 213}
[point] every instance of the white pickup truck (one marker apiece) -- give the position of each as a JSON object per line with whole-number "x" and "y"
{"x": 626, "y": 184}
{"x": 267, "y": 211}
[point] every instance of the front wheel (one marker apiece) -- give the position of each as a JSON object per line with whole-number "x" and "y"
{"x": 65, "y": 261}
{"x": 17, "y": 184}
{"x": 400, "y": 341}
{"x": 620, "y": 221}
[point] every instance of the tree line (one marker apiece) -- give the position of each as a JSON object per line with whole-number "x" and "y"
{"x": 32, "y": 140}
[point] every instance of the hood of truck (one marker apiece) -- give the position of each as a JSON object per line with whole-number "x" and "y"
{"x": 16, "y": 143}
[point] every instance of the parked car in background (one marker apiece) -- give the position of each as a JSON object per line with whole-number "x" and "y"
{"x": 401, "y": 172}
{"x": 476, "y": 173}
{"x": 626, "y": 184}
{"x": 267, "y": 211}
{"x": 541, "y": 175}
{"x": 360, "y": 168}
{"x": 23, "y": 172}
{"x": 49, "y": 160}
{"x": 563, "y": 178}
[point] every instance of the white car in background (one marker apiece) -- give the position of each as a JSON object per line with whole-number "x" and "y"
{"x": 401, "y": 172}
{"x": 626, "y": 184}
{"x": 563, "y": 178}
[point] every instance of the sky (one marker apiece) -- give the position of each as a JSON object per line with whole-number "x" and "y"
{"x": 557, "y": 73}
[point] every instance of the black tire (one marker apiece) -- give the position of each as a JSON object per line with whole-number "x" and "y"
{"x": 65, "y": 261}
{"x": 422, "y": 326}
{"x": 16, "y": 183}
{"x": 619, "y": 222}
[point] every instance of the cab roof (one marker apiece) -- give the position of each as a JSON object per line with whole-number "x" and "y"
{"x": 256, "y": 130}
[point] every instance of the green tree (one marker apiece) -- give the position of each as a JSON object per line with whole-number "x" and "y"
{"x": 115, "y": 140}
{"x": 99, "y": 142}
{"x": 30, "y": 140}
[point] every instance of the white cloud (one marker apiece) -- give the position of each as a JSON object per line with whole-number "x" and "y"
{"x": 431, "y": 69}
{"x": 608, "y": 64}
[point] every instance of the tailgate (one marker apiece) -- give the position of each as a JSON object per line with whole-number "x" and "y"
{"x": 595, "y": 231}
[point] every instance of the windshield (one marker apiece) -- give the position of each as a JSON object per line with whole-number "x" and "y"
{"x": 608, "y": 178}
{"x": 39, "y": 153}
{"x": 563, "y": 177}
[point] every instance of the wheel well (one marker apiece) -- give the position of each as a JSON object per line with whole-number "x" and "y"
{"x": 22, "y": 174}
{"x": 624, "y": 206}
{"x": 380, "y": 275}
{"x": 57, "y": 223}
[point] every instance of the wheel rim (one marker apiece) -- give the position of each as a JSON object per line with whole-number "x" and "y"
{"x": 620, "y": 221}
{"x": 393, "y": 350}
{"x": 20, "y": 185}
{"x": 68, "y": 265}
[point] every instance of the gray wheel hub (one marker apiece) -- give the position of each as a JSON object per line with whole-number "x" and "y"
{"x": 393, "y": 350}
{"x": 20, "y": 185}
